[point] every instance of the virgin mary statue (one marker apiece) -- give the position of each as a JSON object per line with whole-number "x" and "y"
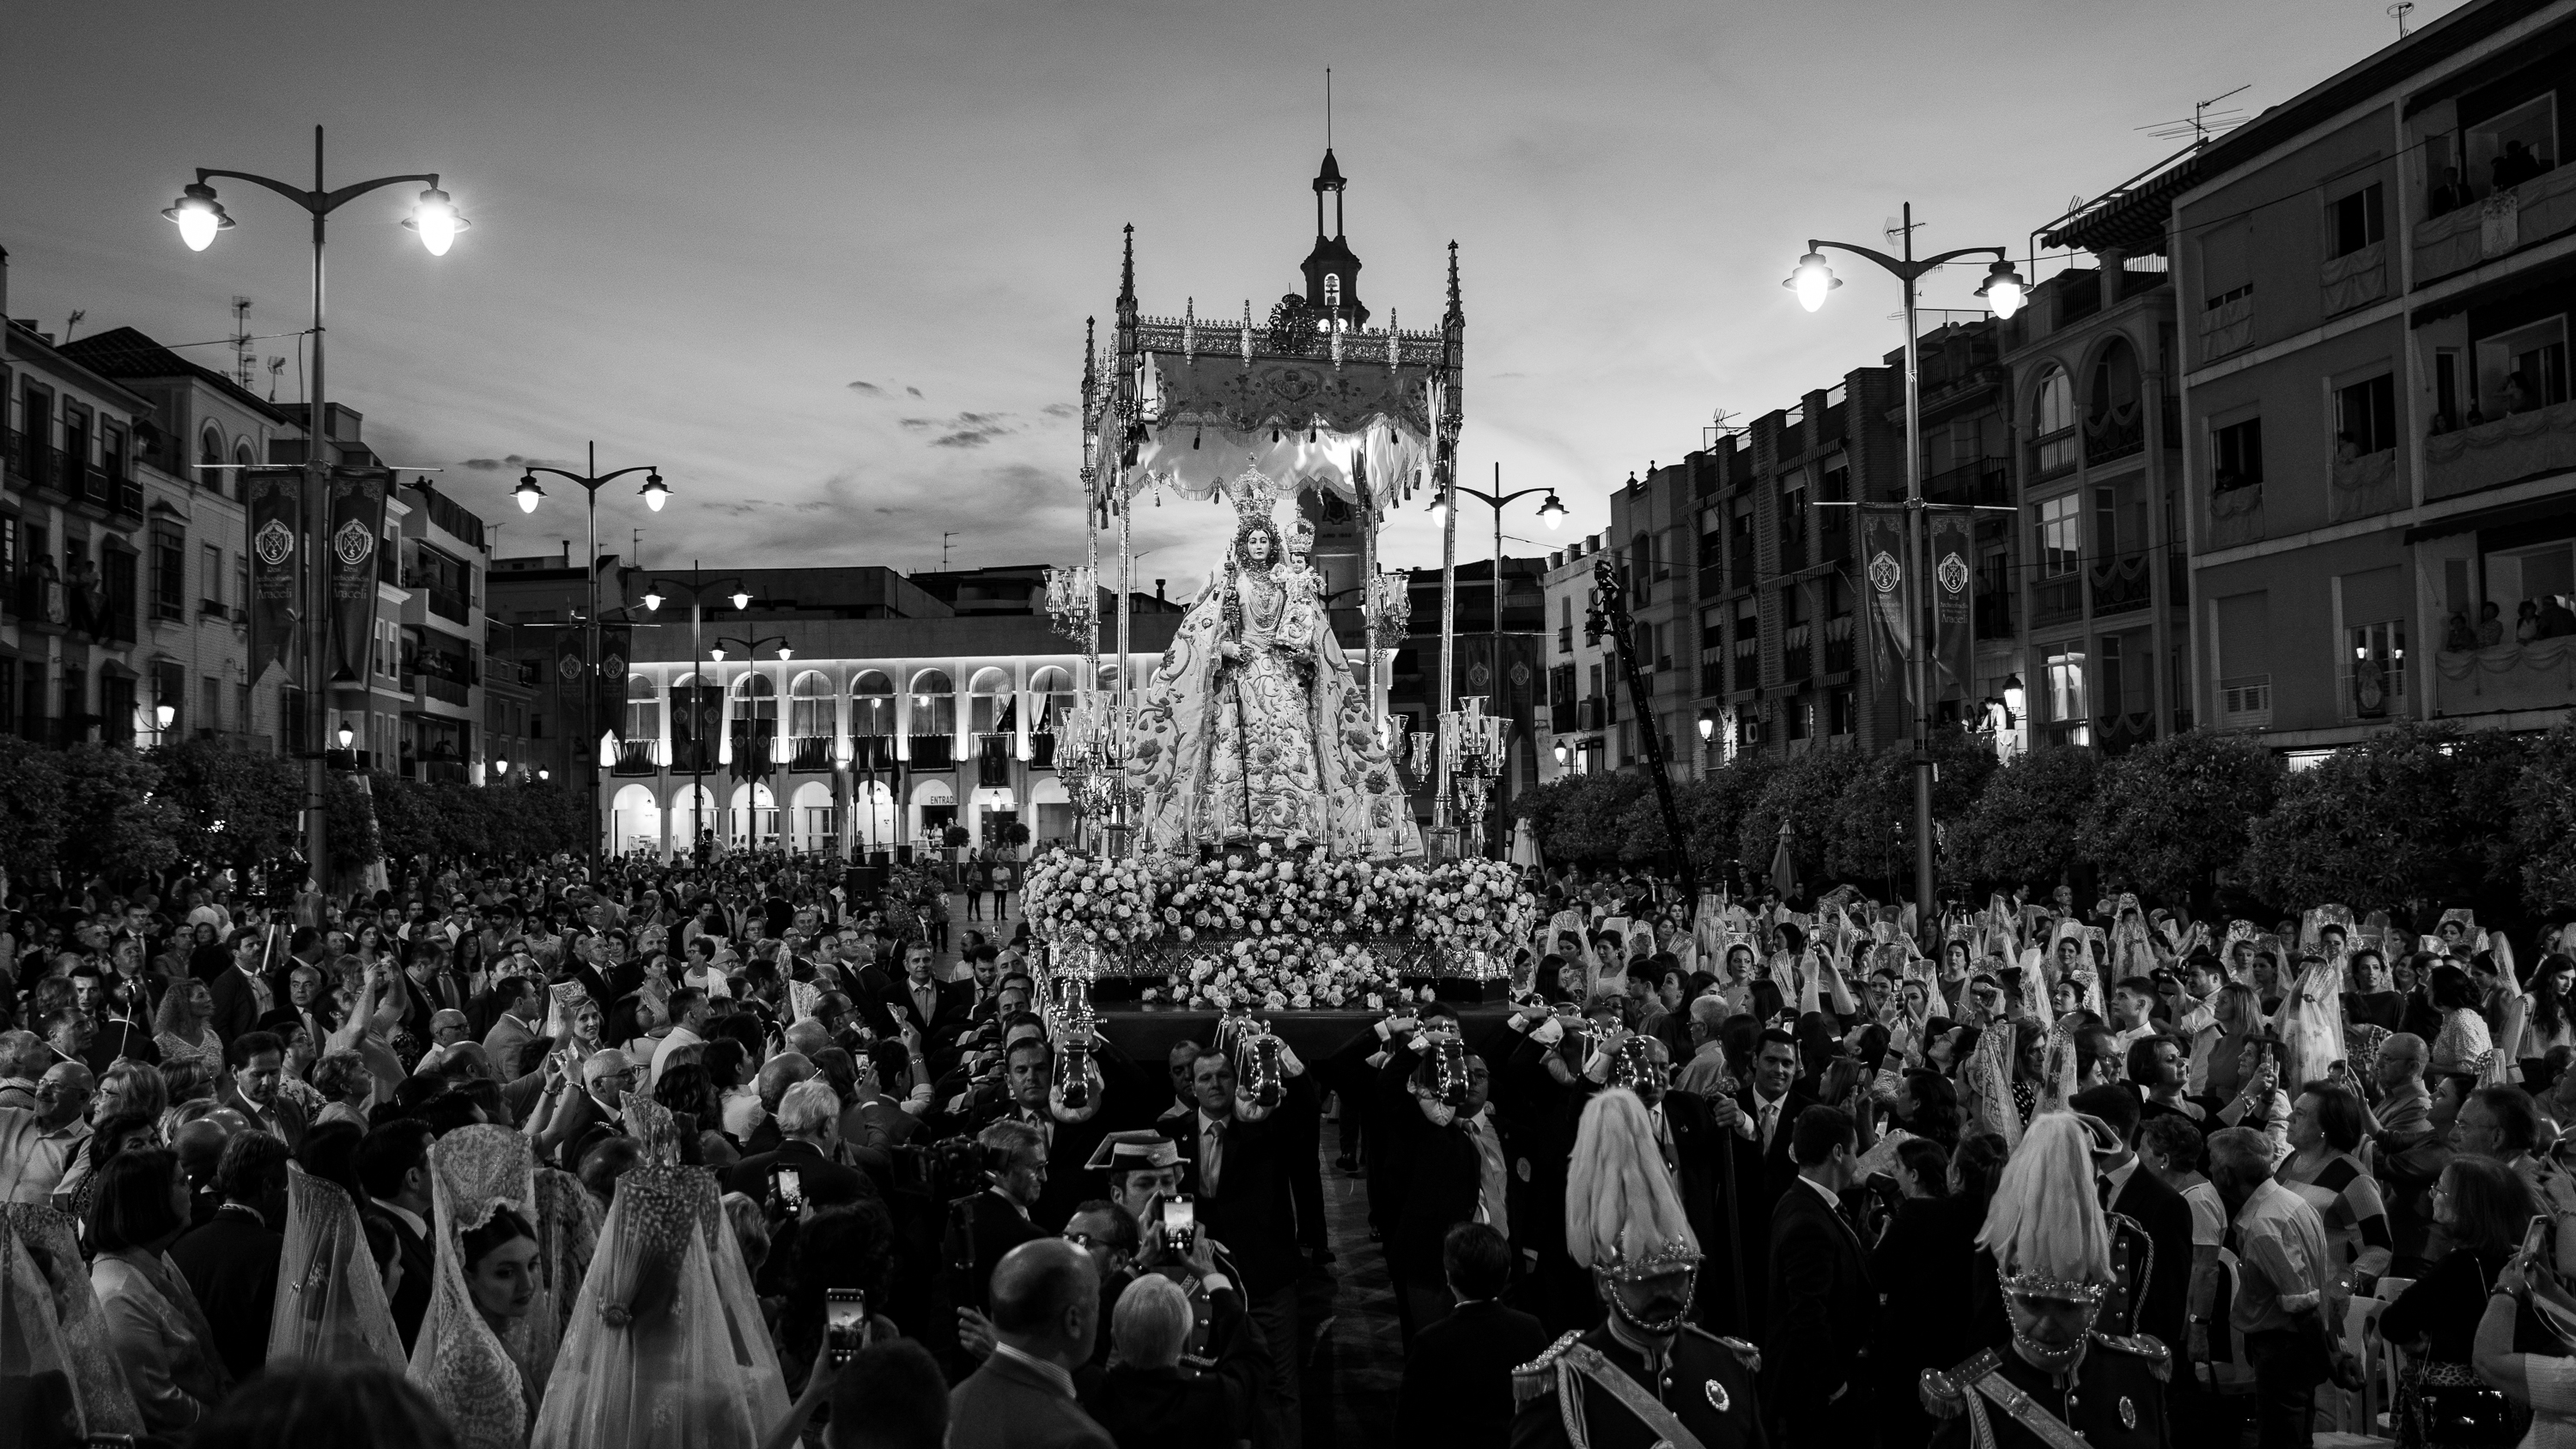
{"x": 1251, "y": 727}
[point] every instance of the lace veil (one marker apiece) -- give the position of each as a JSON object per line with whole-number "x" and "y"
{"x": 484, "y": 1382}
{"x": 51, "y": 1329}
{"x": 331, "y": 1305}
{"x": 652, "y": 1359}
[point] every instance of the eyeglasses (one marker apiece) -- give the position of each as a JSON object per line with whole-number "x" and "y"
{"x": 1084, "y": 1241}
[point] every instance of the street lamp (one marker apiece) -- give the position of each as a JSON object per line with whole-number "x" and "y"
{"x": 529, "y": 496}
{"x": 347, "y": 736}
{"x": 1707, "y": 728}
{"x": 163, "y": 714}
{"x": 1551, "y": 511}
{"x": 2003, "y": 290}
{"x": 698, "y": 591}
{"x": 200, "y": 219}
{"x": 777, "y": 740}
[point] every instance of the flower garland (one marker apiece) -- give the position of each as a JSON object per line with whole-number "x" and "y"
{"x": 1280, "y": 927}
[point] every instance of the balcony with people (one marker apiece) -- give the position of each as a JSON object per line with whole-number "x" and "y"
{"x": 2495, "y": 184}
{"x": 2503, "y": 410}
{"x": 2506, "y": 662}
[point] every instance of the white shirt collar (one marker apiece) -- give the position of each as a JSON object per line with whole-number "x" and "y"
{"x": 403, "y": 1215}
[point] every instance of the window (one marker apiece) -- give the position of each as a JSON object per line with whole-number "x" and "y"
{"x": 2236, "y": 456}
{"x": 169, "y": 572}
{"x": 1837, "y": 483}
{"x": 210, "y": 580}
{"x": 1712, "y": 629}
{"x": 2510, "y": 148}
{"x": 1842, "y": 713}
{"x": 2355, "y": 221}
{"x": 210, "y": 703}
{"x": 2063, "y": 696}
{"x": 2366, "y": 417}
{"x": 2053, "y": 426}
{"x": 2375, "y": 668}
{"x": 1332, "y": 290}
{"x": 2446, "y": 389}
{"x": 210, "y": 449}
{"x": 1800, "y": 717}
{"x": 2523, "y": 369}
{"x": 2061, "y": 536}
{"x": 241, "y": 584}
{"x": 643, "y": 708}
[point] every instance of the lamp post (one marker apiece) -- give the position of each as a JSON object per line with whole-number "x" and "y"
{"x": 655, "y": 494}
{"x": 201, "y": 218}
{"x": 2003, "y": 290}
{"x": 751, "y": 659}
{"x": 697, "y": 591}
{"x": 1552, "y": 513}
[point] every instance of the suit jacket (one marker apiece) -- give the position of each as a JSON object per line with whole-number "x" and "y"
{"x": 994, "y": 1227}
{"x": 1008, "y": 1405}
{"x": 1458, "y": 1377}
{"x": 285, "y": 1117}
{"x": 1160, "y": 1408}
{"x": 419, "y": 1264}
{"x": 2160, "y": 1210}
{"x": 825, "y": 1183}
{"x": 955, "y": 1000}
{"x": 1250, "y": 1212}
{"x": 1820, "y": 1302}
{"x": 1762, "y": 1176}
{"x": 1429, "y": 1177}
{"x": 236, "y": 1004}
{"x": 231, "y": 1265}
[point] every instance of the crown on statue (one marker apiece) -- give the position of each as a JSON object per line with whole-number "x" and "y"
{"x": 1301, "y": 536}
{"x": 1254, "y": 496}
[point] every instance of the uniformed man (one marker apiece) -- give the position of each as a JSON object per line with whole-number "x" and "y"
{"x": 1145, "y": 1175}
{"x": 2062, "y": 1383}
{"x": 1646, "y": 1377}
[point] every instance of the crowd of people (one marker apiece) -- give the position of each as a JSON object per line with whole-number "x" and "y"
{"x": 732, "y": 1153}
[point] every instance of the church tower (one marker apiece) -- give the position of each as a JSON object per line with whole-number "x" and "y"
{"x": 1332, "y": 269}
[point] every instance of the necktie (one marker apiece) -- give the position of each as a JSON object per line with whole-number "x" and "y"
{"x": 2102, "y": 1189}
{"x": 1492, "y": 1184}
{"x": 1211, "y": 1152}
{"x": 1770, "y": 1122}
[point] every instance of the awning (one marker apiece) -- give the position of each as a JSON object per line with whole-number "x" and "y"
{"x": 2503, "y": 515}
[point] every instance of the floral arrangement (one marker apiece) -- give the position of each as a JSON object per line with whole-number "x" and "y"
{"x": 1277, "y": 926}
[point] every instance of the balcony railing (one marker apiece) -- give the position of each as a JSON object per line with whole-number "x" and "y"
{"x": 876, "y": 752}
{"x": 2534, "y": 675}
{"x": 2057, "y": 600}
{"x": 1994, "y": 614}
{"x": 2523, "y": 445}
{"x": 447, "y": 603}
{"x": 445, "y": 690}
{"x": 2120, "y": 584}
{"x": 635, "y": 757}
{"x": 1797, "y": 657}
{"x": 2120, "y": 733}
{"x": 437, "y": 772}
{"x": 1841, "y": 653}
{"x": 934, "y": 752}
{"x": 1983, "y": 481}
{"x": 693, "y": 757}
{"x": 2120, "y": 433}
{"x": 810, "y": 754}
{"x": 1041, "y": 749}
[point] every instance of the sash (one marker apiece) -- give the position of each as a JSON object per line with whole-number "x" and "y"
{"x": 1587, "y": 1361}
{"x": 1983, "y": 1374}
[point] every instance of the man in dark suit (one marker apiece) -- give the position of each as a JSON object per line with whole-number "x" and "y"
{"x": 809, "y": 1123}
{"x": 1444, "y": 1165}
{"x": 1458, "y": 1372}
{"x": 393, "y": 1166}
{"x": 1690, "y": 1132}
{"x": 1767, "y": 1106}
{"x": 985, "y": 1227}
{"x": 231, "y": 1262}
{"x": 937, "y": 1009}
{"x": 242, "y": 995}
{"x": 2131, "y": 1191}
{"x": 1046, "y": 1311}
{"x": 1821, "y": 1304}
{"x": 258, "y": 1062}
{"x": 1243, "y": 1202}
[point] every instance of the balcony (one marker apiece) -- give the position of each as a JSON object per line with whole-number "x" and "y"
{"x": 2537, "y": 675}
{"x": 1561, "y": 717}
{"x": 1797, "y": 656}
{"x": 17, "y": 455}
{"x": 1986, "y": 482}
{"x": 875, "y": 753}
{"x": 2235, "y": 515}
{"x": 934, "y": 752}
{"x": 2355, "y": 279}
{"x": 387, "y": 571}
{"x": 1041, "y": 749}
{"x": 2364, "y": 486}
{"x": 2507, "y": 450}
{"x": 2177, "y": 578}
{"x": 2123, "y": 732}
{"x": 692, "y": 757}
{"x": 125, "y": 496}
{"x": 445, "y": 690}
{"x": 1841, "y": 652}
{"x": 1993, "y": 614}
{"x": 438, "y": 772}
{"x": 752, "y": 740}
{"x": 2121, "y": 584}
{"x": 635, "y": 757}
{"x": 2056, "y": 601}
{"x": 2228, "y": 327}
{"x": 2490, "y": 226}
{"x": 2119, "y": 433}
{"x": 448, "y": 603}
{"x": 810, "y": 754}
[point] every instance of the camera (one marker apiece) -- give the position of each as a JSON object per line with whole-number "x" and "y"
{"x": 845, "y": 1322}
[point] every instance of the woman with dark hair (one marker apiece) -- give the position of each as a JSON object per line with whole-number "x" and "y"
{"x": 1923, "y": 1265}
{"x": 1951, "y": 1049}
{"x": 2372, "y": 1000}
{"x": 2548, "y": 1016}
{"x": 2481, "y": 1207}
{"x": 110, "y": 1137}
{"x": 160, "y": 1337}
{"x": 2239, "y": 1014}
{"x": 838, "y": 1247}
{"x": 2325, "y": 1167}
{"x": 1927, "y": 1105}
{"x": 2463, "y": 1045}
{"x": 2259, "y": 1102}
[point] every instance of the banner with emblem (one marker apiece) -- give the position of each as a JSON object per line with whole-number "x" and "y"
{"x": 569, "y": 669}
{"x": 1952, "y": 534}
{"x": 616, "y": 646}
{"x": 1883, "y": 562}
{"x": 276, "y": 500}
{"x": 356, "y": 530}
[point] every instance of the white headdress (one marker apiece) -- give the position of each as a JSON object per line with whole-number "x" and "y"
{"x": 1621, "y": 1213}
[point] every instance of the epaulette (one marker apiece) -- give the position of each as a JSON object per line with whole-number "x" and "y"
{"x": 1537, "y": 1378}
{"x": 1744, "y": 1353}
{"x": 1942, "y": 1396}
{"x": 2141, "y": 1345}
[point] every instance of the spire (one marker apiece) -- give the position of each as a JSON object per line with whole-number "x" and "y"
{"x": 1127, "y": 273}
{"x": 1332, "y": 269}
{"x": 1456, "y": 313}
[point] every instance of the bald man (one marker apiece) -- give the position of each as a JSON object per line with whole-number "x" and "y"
{"x": 758, "y": 1130}
{"x": 1045, "y": 1299}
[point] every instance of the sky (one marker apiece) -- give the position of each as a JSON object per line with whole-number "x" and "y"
{"x": 827, "y": 265}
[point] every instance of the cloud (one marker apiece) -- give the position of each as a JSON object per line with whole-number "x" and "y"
{"x": 918, "y": 422}
{"x": 867, "y": 389}
{"x": 484, "y": 465}
{"x": 964, "y": 438}
{"x": 1059, "y": 410}
{"x": 966, "y": 430}
{"x": 912, "y": 392}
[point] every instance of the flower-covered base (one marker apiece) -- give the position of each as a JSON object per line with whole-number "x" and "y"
{"x": 1277, "y": 928}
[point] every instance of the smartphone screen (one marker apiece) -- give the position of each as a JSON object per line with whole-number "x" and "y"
{"x": 791, "y": 1187}
{"x": 1180, "y": 1222}
{"x": 845, "y": 1321}
{"x": 2535, "y": 1240}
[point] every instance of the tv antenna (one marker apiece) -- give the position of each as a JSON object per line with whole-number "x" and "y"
{"x": 1721, "y": 425}
{"x": 73, "y": 321}
{"x": 943, "y": 549}
{"x": 245, "y": 361}
{"x": 2399, "y": 12}
{"x": 276, "y": 365}
{"x": 2204, "y": 122}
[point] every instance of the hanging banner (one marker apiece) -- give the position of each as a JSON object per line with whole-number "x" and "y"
{"x": 616, "y": 643}
{"x": 1952, "y": 534}
{"x": 276, "y": 498}
{"x": 356, "y": 530}
{"x": 1891, "y": 633}
{"x": 568, "y": 667}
